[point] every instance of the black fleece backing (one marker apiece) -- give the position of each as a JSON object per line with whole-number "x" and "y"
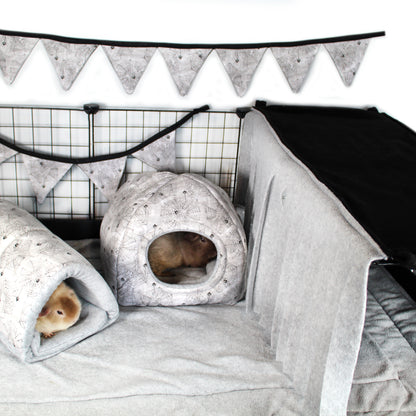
{"x": 366, "y": 158}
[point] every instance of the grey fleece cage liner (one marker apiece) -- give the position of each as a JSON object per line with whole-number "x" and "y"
{"x": 295, "y": 346}
{"x": 33, "y": 262}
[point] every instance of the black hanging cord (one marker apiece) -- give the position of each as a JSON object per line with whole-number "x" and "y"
{"x": 79, "y": 161}
{"x": 66, "y": 39}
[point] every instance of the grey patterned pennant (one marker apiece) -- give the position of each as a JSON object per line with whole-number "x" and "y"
{"x": 160, "y": 154}
{"x": 347, "y": 57}
{"x": 14, "y": 51}
{"x": 295, "y": 63}
{"x": 184, "y": 65}
{"x": 68, "y": 59}
{"x": 44, "y": 175}
{"x": 6, "y": 153}
{"x": 105, "y": 175}
{"x": 129, "y": 63}
{"x": 240, "y": 65}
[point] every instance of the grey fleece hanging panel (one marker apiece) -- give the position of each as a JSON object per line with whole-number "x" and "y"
{"x": 184, "y": 61}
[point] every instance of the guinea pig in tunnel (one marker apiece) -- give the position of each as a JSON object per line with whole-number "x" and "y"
{"x": 61, "y": 311}
{"x": 172, "y": 251}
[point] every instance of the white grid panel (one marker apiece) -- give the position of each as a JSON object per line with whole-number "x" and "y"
{"x": 207, "y": 144}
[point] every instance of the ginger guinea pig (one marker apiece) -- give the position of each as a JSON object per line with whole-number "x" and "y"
{"x": 60, "y": 312}
{"x": 180, "y": 249}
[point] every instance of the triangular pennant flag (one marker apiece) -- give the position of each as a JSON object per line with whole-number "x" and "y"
{"x": 106, "y": 175}
{"x": 129, "y": 63}
{"x": 161, "y": 154}
{"x": 295, "y": 63}
{"x": 68, "y": 59}
{"x": 6, "y": 153}
{"x": 44, "y": 175}
{"x": 14, "y": 51}
{"x": 184, "y": 65}
{"x": 347, "y": 57}
{"x": 240, "y": 65}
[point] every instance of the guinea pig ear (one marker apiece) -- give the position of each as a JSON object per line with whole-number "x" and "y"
{"x": 44, "y": 311}
{"x": 191, "y": 237}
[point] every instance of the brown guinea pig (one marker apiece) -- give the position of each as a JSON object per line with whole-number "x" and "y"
{"x": 180, "y": 249}
{"x": 60, "y": 312}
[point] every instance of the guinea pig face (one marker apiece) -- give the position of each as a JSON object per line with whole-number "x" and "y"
{"x": 200, "y": 250}
{"x": 60, "y": 312}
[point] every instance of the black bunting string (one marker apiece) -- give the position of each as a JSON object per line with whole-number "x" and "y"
{"x": 141, "y": 44}
{"x": 101, "y": 158}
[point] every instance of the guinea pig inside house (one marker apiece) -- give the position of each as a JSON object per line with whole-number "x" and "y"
{"x": 170, "y": 253}
{"x": 61, "y": 311}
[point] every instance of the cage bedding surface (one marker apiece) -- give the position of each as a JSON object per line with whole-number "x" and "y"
{"x": 177, "y": 360}
{"x": 209, "y": 359}
{"x": 33, "y": 262}
{"x": 385, "y": 376}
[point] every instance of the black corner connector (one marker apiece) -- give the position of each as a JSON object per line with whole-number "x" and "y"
{"x": 91, "y": 108}
{"x": 260, "y": 104}
{"x": 242, "y": 111}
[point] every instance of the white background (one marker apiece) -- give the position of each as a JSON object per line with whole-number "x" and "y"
{"x": 386, "y": 78}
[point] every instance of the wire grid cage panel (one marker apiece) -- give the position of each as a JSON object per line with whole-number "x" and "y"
{"x": 207, "y": 145}
{"x": 56, "y": 131}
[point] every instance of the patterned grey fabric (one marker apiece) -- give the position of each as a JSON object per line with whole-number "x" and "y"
{"x": 161, "y": 154}
{"x": 44, "y": 175}
{"x": 106, "y": 175}
{"x": 241, "y": 65}
{"x": 184, "y": 65}
{"x": 14, "y": 50}
{"x": 68, "y": 59}
{"x": 6, "y": 153}
{"x": 33, "y": 262}
{"x": 295, "y": 63}
{"x": 347, "y": 57}
{"x": 158, "y": 203}
{"x": 129, "y": 64}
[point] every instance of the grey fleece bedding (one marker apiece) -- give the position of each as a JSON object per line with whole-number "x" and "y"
{"x": 208, "y": 359}
{"x": 385, "y": 376}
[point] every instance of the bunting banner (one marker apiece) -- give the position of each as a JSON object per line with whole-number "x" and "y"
{"x": 44, "y": 175}
{"x": 184, "y": 65}
{"x": 295, "y": 63}
{"x": 240, "y": 66}
{"x": 347, "y": 57}
{"x": 129, "y": 64}
{"x": 67, "y": 59}
{"x": 184, "y": 61}
{"x": 6, "y": 153}
{"x": 160, "y": 154}
{"x": 14, "y": 50}
{"x": 105, "y": 175}
{"x": 105, "y": 171}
